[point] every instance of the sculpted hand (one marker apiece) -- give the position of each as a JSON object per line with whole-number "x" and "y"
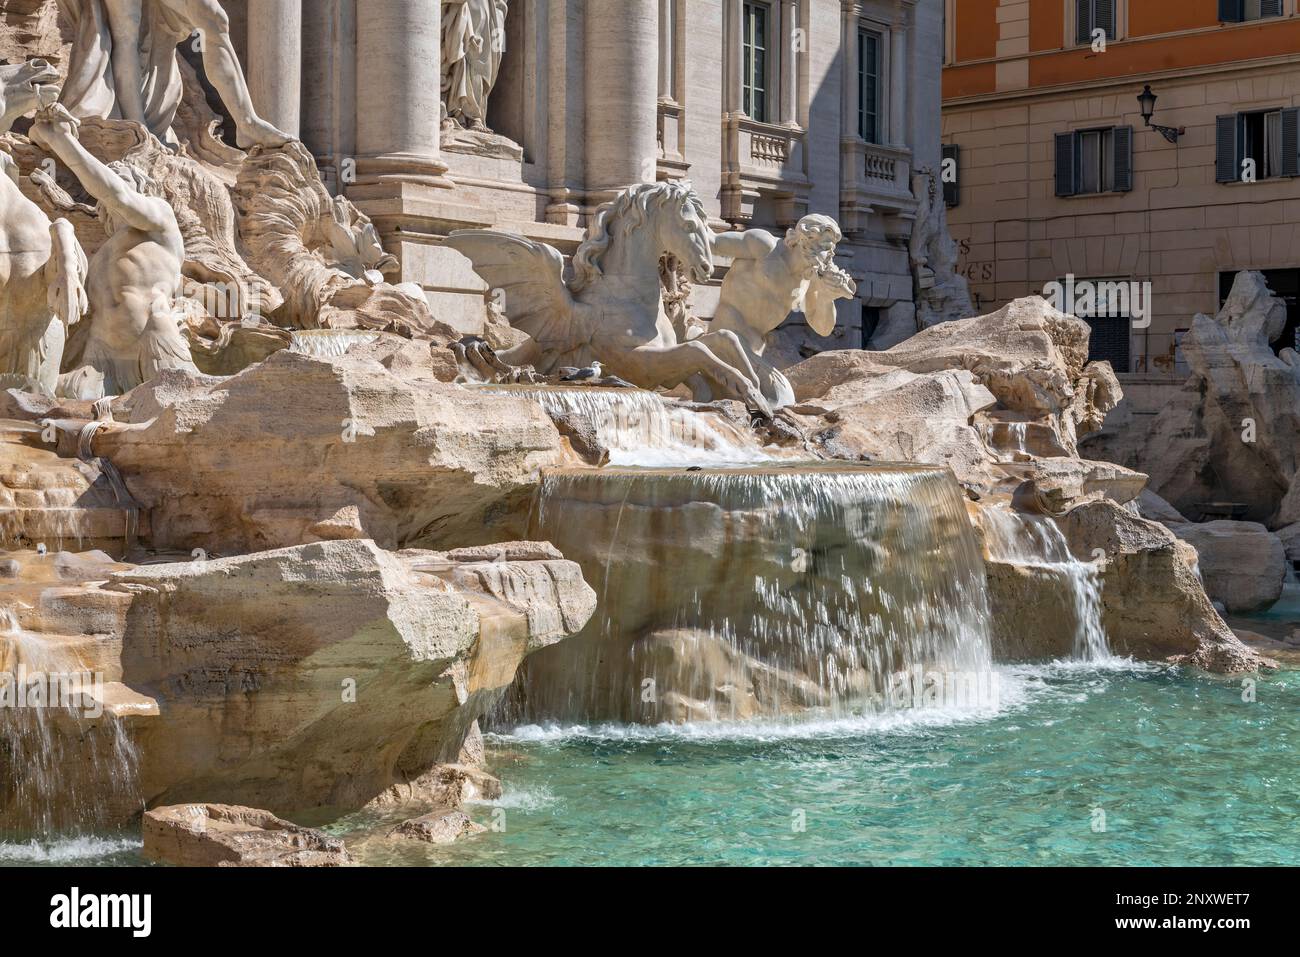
{"x": 54, "y": 122}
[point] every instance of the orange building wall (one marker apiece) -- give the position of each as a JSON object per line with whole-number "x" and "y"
{"x": 1146, "y": 19}
{"x": 1046, "y": 25}
{"x": 976, "y": 29}
{"x": 1170, "y": 53}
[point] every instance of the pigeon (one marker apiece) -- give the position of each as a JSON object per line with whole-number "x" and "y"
{"x": 582, "y": 375}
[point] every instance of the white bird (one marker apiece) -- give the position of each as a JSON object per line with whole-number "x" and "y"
{"x": 591, "y": 372}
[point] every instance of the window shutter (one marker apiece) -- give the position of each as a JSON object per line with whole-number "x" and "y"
{"x": 1105, "y": 18}
{"x": 1083, "y": 21}
{"x": 1270, "y": 8}
{"x": 1225, "y": 149}
{"x": 1291, "y": 142}
{"x": 952, "y": 191}
{"x": 1230, "y": 11}
{"x": 1064, "y": 164}
{"x": 1122, "y": 142}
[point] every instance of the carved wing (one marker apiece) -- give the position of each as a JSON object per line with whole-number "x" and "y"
{"x": 527, "y": 281}
{"x": 65, "y": 274}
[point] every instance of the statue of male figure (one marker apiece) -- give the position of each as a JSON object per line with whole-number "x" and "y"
{"x": 770, "y": 278}
{"x": 134, "y": 277}
{"x": 138, "y": 78}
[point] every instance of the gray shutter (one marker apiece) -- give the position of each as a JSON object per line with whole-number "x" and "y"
{"x": 1064, "y": 164}
{"x": 952, "y": 191}
{"x": 1122, "y": 142}
{"x": 1105, "y": 18}
{"x": 1226, "y": 169}
{"x": 1230, "y": 11}
{"x": 1291, "y": 142}
{"x": 1271, "y": 8}
{"x": 1083, "y": 21}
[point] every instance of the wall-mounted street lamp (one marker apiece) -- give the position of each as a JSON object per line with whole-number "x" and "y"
{"x": 1147, "y": 100}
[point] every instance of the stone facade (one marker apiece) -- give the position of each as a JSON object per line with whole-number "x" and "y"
{"x": 1015, "y": 79}
{"x": 586, "y": 102}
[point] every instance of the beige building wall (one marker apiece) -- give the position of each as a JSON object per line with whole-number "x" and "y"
{"x": 1177, "y": 228}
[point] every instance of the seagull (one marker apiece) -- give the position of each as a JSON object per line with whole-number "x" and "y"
{"x": 581, "y": 375}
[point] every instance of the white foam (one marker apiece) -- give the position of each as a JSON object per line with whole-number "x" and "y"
{"x": 520, "y": 799}
{"x": 65, "y": 850}
{"x": 1019, "y": 688}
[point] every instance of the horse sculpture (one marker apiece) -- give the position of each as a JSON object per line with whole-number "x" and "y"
{"x": 613, "y": 310}
{"x": 42, "y": 266}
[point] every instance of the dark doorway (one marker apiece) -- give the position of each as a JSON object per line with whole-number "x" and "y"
{"x": 1109, "y": 341}
{"x": 1285, "y": 284}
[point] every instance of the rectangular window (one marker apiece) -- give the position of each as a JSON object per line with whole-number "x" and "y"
{"x": 869, "y": 45}
{"x": 1242, "y": 11}
{"x": 1094, "y": 161}
{"x": 755, "y": 85}
{"x": 950, "y": 170}
{"x": 1260, "y": 135}
{"x": 1109, "y": 340}
{"x": 1092, "y": 15}
{"x": 1259, "y": 145}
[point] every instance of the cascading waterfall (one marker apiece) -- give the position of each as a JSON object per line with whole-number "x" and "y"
{"x": 63, "y": 768}
{"x": 640, "y": 428}
{"x": 328, "y": 343}
{"x": 1035, "y": 541}
{"x": 740, "y": 592}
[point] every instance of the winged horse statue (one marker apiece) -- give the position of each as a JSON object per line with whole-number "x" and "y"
{"x": 42, "y": 266}
{"x": 612, "y": 310}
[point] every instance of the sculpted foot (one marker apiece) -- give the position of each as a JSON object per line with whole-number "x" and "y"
{"x": 258, "y": 132}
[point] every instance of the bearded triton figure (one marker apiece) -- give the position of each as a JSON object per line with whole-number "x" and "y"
{"x": 769, "y": 279}
{"x": 135, "y": 276}
{"x": 123, "y": 64}
{"x": 473, "y": 41}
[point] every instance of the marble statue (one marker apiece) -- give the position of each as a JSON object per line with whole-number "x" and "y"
{"x": 944, "y": 294}
{"x": 123, "y": 64}
{"x": 135, "y": 276}
{"x": 473, "y": 41}
{"x": 613, "y": 310}
{"x": 42, "y": 266}
{"x": 770, "y": 278}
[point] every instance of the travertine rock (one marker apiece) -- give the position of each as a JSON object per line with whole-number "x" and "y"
{"x": 222, "y": 835}
{"x": 1233, "y": 431}
{"x": 1152, "y": 506}
{"x": 326, "y": 674}
{"x": 1031, "y": 358}
{"x": 1153, "y": 603}
{"x": 439, "y": 827}
{"x": 1243, "y": 564}
{"x": 952, "y": 394}
{"x": 254, "y": 461}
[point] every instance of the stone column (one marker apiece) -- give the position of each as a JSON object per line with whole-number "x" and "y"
{"x": 666, "y": 50}
{"x": 275, "y": 61}
{"x": 328, "y": 124}
{"x": 849, "y": 91}
{"x": 622, "y": 81}
{"x": 898, "y": 83}
{"x": 788, "y": 60}
{"x": 733, "y": 99}
{"x": 399, "y": 94}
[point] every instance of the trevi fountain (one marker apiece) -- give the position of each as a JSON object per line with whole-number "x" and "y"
{"x": 296, "y": 573}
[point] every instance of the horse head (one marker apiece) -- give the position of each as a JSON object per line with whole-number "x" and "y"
{"x": 25, "y": 87}
{"x": 669, "y": 217}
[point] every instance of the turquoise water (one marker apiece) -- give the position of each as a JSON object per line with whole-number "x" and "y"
{"x": 1184, "y": 771}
